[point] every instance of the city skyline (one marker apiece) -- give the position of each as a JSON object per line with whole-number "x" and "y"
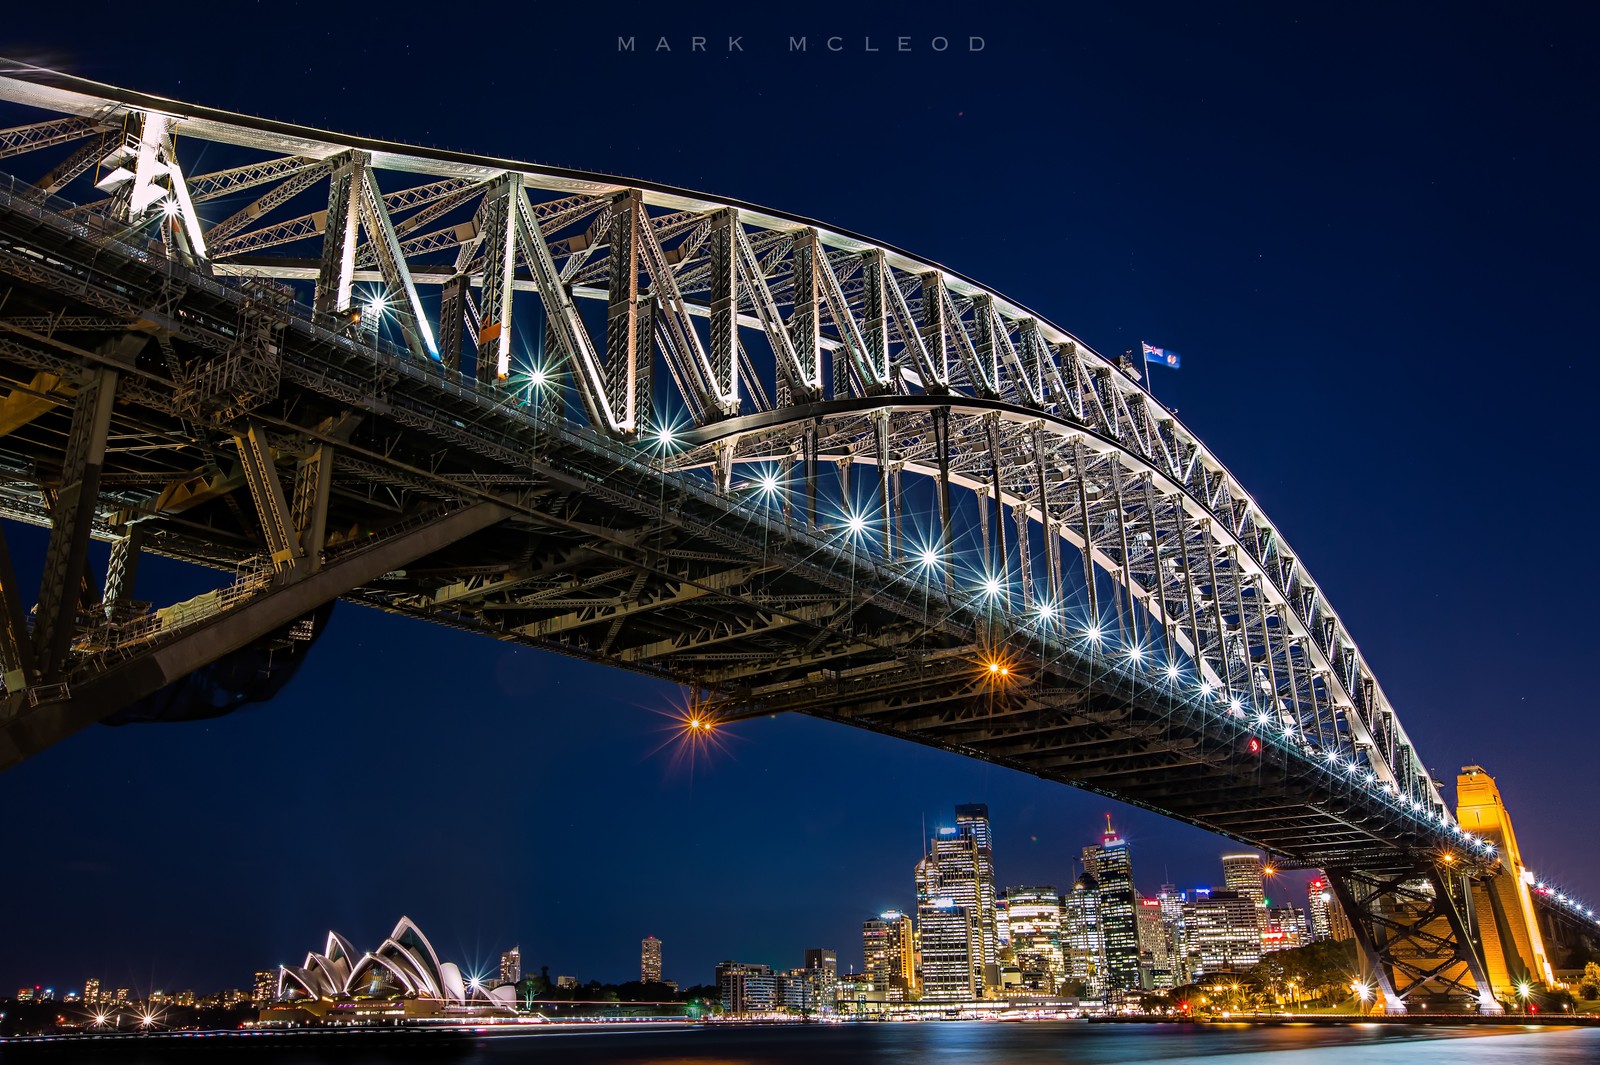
{"x": 651, "y": 955}
{"x": 1357, "y": 271}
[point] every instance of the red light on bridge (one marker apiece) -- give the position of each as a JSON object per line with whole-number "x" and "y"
{"x": 1254, "y": 745}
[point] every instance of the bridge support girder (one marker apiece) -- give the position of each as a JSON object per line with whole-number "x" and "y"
{"x": 1415, "y": 929}
{"x": 28, "y": 726}
{"x": 66, "y": 558}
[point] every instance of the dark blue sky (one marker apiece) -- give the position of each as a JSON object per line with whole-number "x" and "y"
{"x": 1369, "y": 230}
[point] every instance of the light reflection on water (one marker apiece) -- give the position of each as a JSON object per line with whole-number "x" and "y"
{"x": 980, "y": 1043}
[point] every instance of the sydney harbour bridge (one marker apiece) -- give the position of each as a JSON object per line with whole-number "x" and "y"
{"x": 780, "y": 464}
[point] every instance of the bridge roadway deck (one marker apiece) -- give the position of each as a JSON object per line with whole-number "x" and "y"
{"x": 608, "y": 557}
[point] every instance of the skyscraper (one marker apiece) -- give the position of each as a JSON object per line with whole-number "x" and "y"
{"x": 1085, "y": 942}
{"x": 972, "y": 821}
{"x": 956, "y": 880}
{"x": 1172, "y": 901}
{"x": 1036, "y": 938}
{"x": 264, "y": 991}
{"x": 1119, "y": 926}
{"x": 1243, "y": 874}
{"x": 1319, "y": 900}
{"x": 650, "y": 960}
{"x": 511, "y": 965}
{"x": 888, "y": 944}
{"x": 91, "y": 990}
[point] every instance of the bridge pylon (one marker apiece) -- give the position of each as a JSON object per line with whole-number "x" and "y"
{"x": 1416, "y": 929}
{"x": 1511, "y": 942}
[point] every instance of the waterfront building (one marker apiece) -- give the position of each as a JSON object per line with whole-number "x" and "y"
{"x": 511, "y": 965}
{"x": 1084, "y": 943}
{"x": 822, "y": 970}
{"x": 952, "y": 967}
{"x": 566, "y": 982}
{"x": 1036, "y": 937}
{"x": 747, "y": 989}
{"x": 123, "y": 994}
{"x": 91, "y": 991}
{"x": 265, "y": 988}
{"x": 1113, "y": 871}
{"x": 859, "y": 996}
{"x": 650, "y": 960}
{"x": 403, "y": 977}
{"x": 1222, "y": 933}
{"x": 888, "y": 943}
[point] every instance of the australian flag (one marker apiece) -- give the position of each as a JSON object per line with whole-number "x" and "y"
{"x": 1161, "y": 356}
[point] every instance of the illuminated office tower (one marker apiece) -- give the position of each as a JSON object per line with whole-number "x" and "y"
{"x": 1118, "y": 923}
{"x": 1222, "y": 932}
{"x": 958, "y": 874}
{"x": 511, "y": 965}
{"x": 1172, "y": 901}
{"x": 91, "y": 991}
{"x": 951, "y": 965}
{"x": 1084, "y": 942}
{"x": 266, "y": 987}
{"x": 1242, "y": 873}
{"x": 650, "y": 960}
{"x": 972, "y": 820}
{"x": 1035, "y": 934}
{"x": 1319, "y": 901}
{"x": 888, "y": 943}
{"x": 1155, "y": 947}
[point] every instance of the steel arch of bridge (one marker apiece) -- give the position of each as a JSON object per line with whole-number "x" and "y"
{"x": 1081, "y": 441}
{"x": 751, "y": 359}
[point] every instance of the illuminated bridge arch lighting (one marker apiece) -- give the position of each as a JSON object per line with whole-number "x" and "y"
{"x": 929, "y": 558}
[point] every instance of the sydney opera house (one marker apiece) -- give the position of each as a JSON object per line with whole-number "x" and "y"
{"x": 403, "y": 979}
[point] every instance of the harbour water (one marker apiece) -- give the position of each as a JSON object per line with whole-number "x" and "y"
{"x": 976, "y": 1043}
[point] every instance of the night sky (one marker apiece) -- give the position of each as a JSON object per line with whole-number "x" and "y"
{"x": 1370, "y": 233}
